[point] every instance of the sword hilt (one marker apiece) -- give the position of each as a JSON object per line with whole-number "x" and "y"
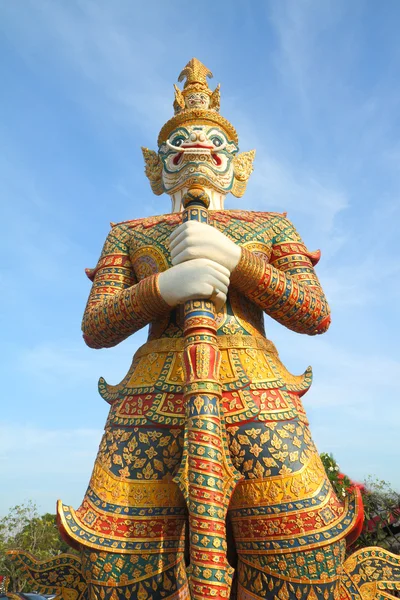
{"x": 195, "y": 203}
{"x": 196, "y": 195}
{"x": 206, "y": 475}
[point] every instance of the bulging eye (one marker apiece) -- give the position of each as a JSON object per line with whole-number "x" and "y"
{"x": 217, "y": 141}
{"x": 178, "y": 141}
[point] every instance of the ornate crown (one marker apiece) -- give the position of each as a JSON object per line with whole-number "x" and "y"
{"x": 196, "y": 103}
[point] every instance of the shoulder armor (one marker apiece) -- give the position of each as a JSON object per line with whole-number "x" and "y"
{"x": 150, "y": 221}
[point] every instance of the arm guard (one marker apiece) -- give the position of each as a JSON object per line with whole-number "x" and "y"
{"x": 118, "y": 305}
{"x": 286, "y": 287}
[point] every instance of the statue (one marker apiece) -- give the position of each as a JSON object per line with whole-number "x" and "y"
{"x": 208, "y": 424}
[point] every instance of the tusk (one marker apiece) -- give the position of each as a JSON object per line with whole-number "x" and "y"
{"x": 174, "y": 148}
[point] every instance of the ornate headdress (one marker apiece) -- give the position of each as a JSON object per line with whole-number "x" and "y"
{"x": 196, "y": 102}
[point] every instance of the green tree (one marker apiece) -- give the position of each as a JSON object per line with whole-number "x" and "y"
{"x": 381, "y": 507}
{"x": 24, "y": 529}
{"x": 382, "y": 516}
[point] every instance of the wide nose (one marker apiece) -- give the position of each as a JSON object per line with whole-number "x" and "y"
{"x": 197, "y": 136}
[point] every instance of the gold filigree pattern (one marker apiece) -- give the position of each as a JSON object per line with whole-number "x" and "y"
{"x": 196, "y": 103}
{"x": 153, "y": 170}
{"x": 263, "y": 490}
{"x": 142, "y": 493}
{"x": 242, "y": 168}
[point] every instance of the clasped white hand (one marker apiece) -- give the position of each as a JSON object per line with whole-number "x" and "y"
{"x": 198, "y": 240}
{"x": 199, "y": 278}
{"x": 203, "y": 259}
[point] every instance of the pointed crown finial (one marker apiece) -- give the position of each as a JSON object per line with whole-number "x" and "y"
{"x": 195, "y": 93}
{"x": 196, "y": 102}
{"x": 195, "y": 72}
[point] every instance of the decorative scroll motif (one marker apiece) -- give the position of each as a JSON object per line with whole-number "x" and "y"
{"x": 370, "y": 574}
{"x": 243, "y": 168}
{"x": 153, "y": 170}
{"x": 196, "y": 102}
{"x": 203, "y": 356}
{"x": 61, "y": 575}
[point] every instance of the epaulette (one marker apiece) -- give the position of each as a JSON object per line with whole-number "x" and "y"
{"x": 150, "y": 221}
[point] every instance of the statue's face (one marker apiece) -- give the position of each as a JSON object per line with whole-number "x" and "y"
{"x": 197, "y": 100}
{"x": 197, "y": 154}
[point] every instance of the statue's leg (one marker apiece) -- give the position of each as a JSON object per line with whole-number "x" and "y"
{"x": 131, "y": 525}
{"x": 289, "y": 526}
{"x": 114, "y": 576}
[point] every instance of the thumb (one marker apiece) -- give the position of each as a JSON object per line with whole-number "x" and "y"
{"x": 219, "y": 299}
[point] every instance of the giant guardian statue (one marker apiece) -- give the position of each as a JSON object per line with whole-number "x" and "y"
{"x": 207, "y": 439}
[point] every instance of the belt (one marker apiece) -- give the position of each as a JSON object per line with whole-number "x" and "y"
{"x": 223, "y": 341}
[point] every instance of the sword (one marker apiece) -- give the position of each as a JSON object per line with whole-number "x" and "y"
{"x": 206, "y": 475}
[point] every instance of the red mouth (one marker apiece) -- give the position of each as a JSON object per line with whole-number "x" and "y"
{"x": 197, "y": 146}
{"x": 176, "y": 160}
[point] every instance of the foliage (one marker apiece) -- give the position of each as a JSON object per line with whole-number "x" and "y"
{"x": 382, "y": 517}
{"x": 341, "y": 483}
{"x": 381, "y": 507}
{"x": 24, "y": 529}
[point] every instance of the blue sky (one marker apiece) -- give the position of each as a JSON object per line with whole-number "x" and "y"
{"x": 313, "y": 85}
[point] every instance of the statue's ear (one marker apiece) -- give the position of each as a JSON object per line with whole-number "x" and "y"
{"x": 215, "y": 99}
{"x": 179, "y": 102}
{"x": 153, "y": 170}
{"x": 242, "y": 169}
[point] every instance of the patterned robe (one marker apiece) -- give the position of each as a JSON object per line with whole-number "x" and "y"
{"x": 289, "y": 527}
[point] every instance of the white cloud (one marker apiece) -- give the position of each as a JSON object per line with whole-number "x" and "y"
{"x": 45, "y": 464}
{"x": 42, "y": 448}
{"x": 50, "y": 363}
{"x": 284, "y": 184}
{"x": 303, "y": 58}
{"x": 102, "y": 62}
{"x": 361, "y": 284}
{"x": 353, "y": 402}
{"x": 37, "y": 247}
{"x": 362, "y": 365}
{"x": 288, "y": 188}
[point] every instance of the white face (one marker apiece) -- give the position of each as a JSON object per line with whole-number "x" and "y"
{"x": 197, "y": 154}
{"x": 197, "y": 100}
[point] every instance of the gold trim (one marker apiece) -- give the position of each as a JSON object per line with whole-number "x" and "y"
{"x": 271, "y": 572}
{"x": 113, "y": 549}
{"x": 275, "y": 489}
{"x": 134, "y": 492}
{"x": 249, "y": 595}
{"x": 312, "y": 532}
{"x": 342, "y": 534}
{"x": 274, "y": 515}
{"x": 224, "y": 342}
{"x": 122, "y": 515}
{"x": 198, "y": 115}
